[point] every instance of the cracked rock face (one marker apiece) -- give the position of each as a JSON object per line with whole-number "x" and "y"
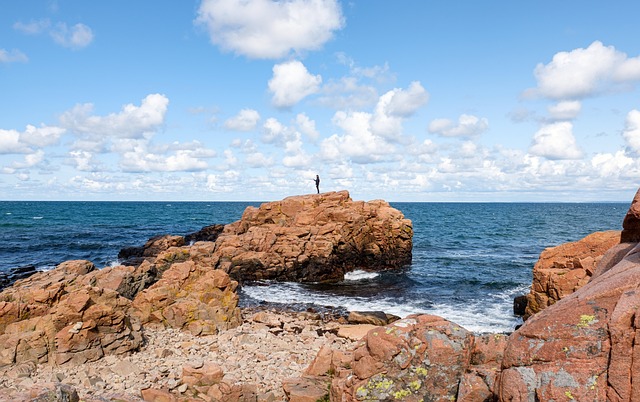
{"x": 315, "y": 238}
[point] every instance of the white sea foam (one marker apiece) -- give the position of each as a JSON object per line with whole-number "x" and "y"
{"x": 359, "y": 275}
{"x": 38, "y": 217}
{"x": 493, "y": 314}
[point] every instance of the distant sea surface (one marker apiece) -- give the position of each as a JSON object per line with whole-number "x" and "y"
{"x": 469, "y": 259}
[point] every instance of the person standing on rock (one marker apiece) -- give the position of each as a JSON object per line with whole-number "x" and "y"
{"x": 317, "y": 180}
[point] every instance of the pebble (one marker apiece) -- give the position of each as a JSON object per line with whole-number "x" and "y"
{"x": 251, "y": 353}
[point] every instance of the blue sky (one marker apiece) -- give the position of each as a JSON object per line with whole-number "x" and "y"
{"x": 250, "y": 99}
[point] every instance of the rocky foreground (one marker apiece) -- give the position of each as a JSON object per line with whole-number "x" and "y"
{"x": 248, "y": 362}
{"x": 168, "y": 327}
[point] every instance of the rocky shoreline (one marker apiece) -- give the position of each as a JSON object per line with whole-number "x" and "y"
{"x": 169, "y": 329}
{"x": 266, "y": 349}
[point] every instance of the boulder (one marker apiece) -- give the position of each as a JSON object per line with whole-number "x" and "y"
{"x": 314, "y": 238}
{"x": 62, "y": 316}
{"x": 371, "y": 317}
{"x": 136, "y": 255}
{"x": 583, "y": 347}
{"x": 207, "y": 233}
{"x": 421, "y": 357}
{"x": 563, "y": 269}
{"x": 192, "y": 297}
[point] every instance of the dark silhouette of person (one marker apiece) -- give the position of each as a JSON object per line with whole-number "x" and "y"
{"x": 317, "y": 180}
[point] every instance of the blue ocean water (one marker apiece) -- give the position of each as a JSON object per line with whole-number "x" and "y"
{"x": 469, "y": 259}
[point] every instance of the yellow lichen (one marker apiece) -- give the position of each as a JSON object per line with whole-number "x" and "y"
{"x": 415, "y": 385}
{"x": 586, "y": 320}
{"x": 421, "y": 371}
{"x": 568, "y": 395}
{"x": 401, "y": 394}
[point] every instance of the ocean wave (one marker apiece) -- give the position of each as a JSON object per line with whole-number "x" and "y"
{"x": 359, "y": 275}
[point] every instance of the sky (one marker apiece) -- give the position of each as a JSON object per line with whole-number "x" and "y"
{"x": 247, "y": 100}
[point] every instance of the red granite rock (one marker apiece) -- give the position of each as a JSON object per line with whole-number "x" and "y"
{"x": 563, "y": 269}
{"x": 314, "y": 238}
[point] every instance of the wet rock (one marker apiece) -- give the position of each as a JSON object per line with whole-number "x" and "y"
{"x": 368, "y": 317}
{"x": 207, "y": 233}
{"x": 7, "y": 278}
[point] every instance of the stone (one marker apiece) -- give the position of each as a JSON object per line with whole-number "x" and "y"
{"x": 157, "y": 395}
{"x": 305, "y": 389}
{"x": 583, "y": 345}
{"x": 60, "y": 316}
{"x": 314, "y": 238}
{"x": 192, "y": 297}
{"x": 421, "y": 357}
{"x": 58, "y": 393}
{"x": 368, "y": 317}
{"x": 355, "y": 332}
{"x": 563, "y": 269}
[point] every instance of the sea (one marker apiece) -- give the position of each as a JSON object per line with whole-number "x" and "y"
{"x": 469, "y": 259}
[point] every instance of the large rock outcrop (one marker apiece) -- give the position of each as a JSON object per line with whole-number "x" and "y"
{"x": 585, "y": 346}
{"x": 563, "y": 269}
{"x": 314, "y": 238}
{"x": 66, "y": 314}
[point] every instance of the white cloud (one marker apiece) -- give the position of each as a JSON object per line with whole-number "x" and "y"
{"x": 140, "y": 160}
{"x": 394, "y": 106}
{"x": 631, "y": 131}
{"x": 10, "y": 143}
{"x": 404, "y": 103}
{"x": 291, "y": 82}
{"x": 347, "y": 93}
{"x": 307, "y": 126}
{"x": 467, "y": 126}
{"x": 582, "y": 73}
{"x": 270, "y": 29}
{"x": 12, "y": 56}
{"x": 42, "y": 136}
{"x": 132, "y": 122}
{"x": 13, "y": 141}
{"x": 245, "y": 120}
{"x": 611, "y": 165}
{"x": 77, "y": 37}
{"x": 565, "y": 110}
{"x": 32, "y": 27}
{"x": 556, "y": 141}
{"x": 357, "y": 143}
{"x": 83, "y": 161}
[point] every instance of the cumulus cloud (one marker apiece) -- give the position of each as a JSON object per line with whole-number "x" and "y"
{"x": 394, "y": 106}
{"x": 610, "y": 165}
{"x": 556, "y": 141}
{"x": 268, "y": 29}
{"x": 582, "y": 72}
{"x": 631, "y": 131}
{"x": 13, "y": 141}
{"x": 467, "y": 126}
{"x": 245, "y": 120}
{"x": 307, "y": 126}
{"x": 12, "y": 56}
{"x": 565, "y": 110}
{"x": 131, "y": 122}
{"x": 292, "y": 82}
{"x": 357, "y": 143}
{"x": 76, "y": 37}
